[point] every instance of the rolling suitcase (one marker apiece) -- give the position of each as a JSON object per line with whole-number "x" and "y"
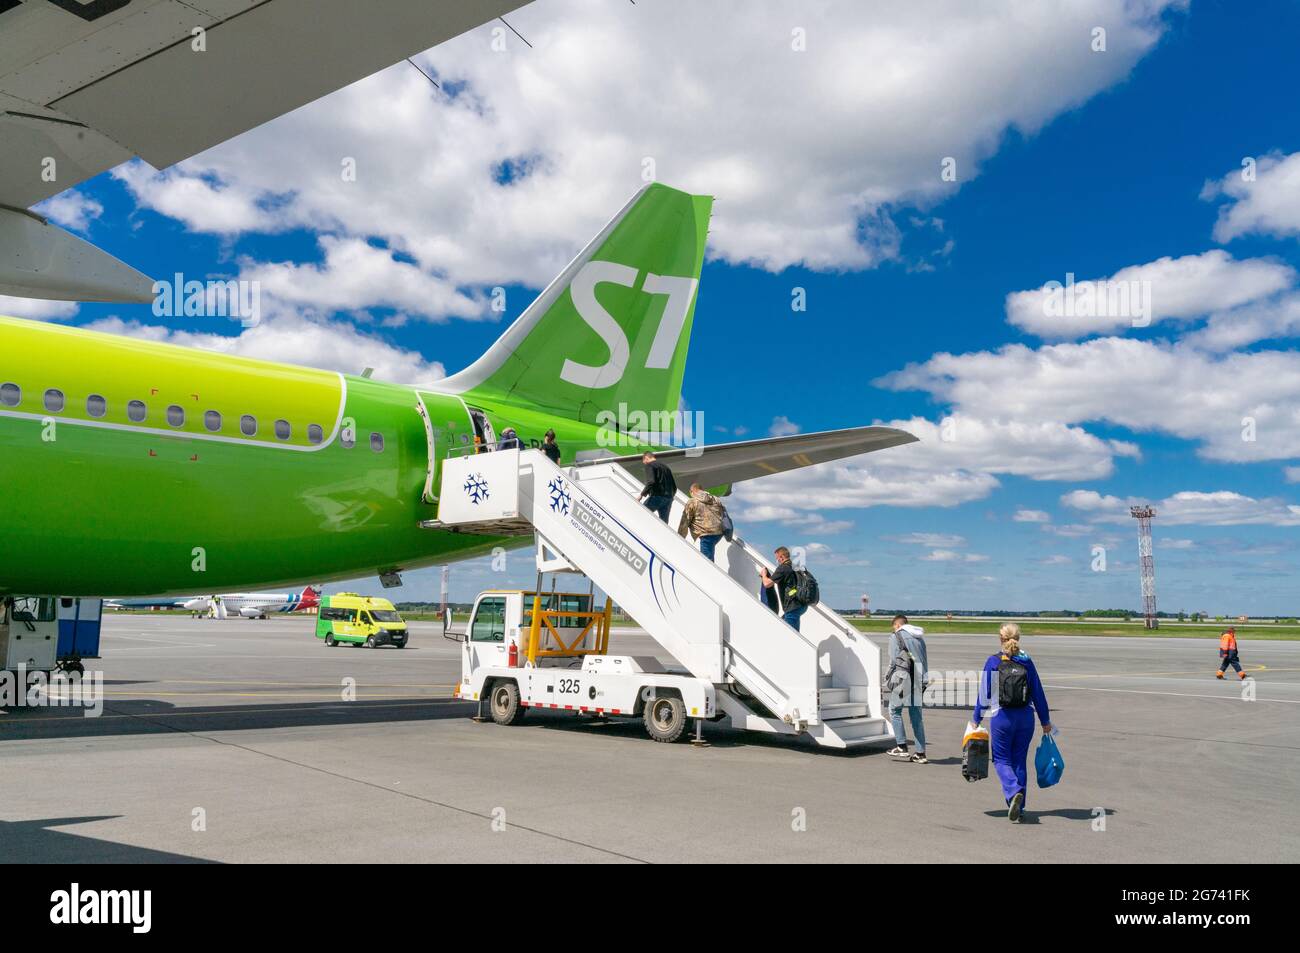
{"x": 975, "y": 753}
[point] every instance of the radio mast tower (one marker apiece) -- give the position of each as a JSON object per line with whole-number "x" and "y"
{"x": 1143, "y": 515}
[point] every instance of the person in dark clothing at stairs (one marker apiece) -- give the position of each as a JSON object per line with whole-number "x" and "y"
{"x": 786, "y": 584}
{"x": 551, "y": 448}
{"x": 660, "y": 487}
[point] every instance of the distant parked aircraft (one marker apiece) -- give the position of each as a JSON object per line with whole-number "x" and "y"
{"x": 231, "y": 605}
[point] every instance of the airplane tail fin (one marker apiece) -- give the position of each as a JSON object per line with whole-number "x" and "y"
{"x": 613, "y": 328}
{"x": 309, "y": 598}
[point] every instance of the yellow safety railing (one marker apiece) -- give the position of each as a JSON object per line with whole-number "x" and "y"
{"x": 568, "y": 648}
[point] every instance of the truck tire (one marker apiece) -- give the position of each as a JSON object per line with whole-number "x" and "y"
{"x": 370, "y": 642}
{"x": 329, "y": 639}
{"x": 665, "y": 718}
{"x": 504, "y": 702}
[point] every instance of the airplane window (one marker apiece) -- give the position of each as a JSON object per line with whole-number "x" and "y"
{"x": 10, "y": 394}
{"x": 377, "y": 442}
{"x": 248, "y": 425}
{"x": 176, "y": 416}
{"x": 282, "y": 430}
{"x": 135, "y": 410}
{"x": 348, "y": 437}
{"x": 212, "y": 420}
{"x": 54, "y": 400}
{"x": 314, "y": 433}
{"x": 96, "y": 406}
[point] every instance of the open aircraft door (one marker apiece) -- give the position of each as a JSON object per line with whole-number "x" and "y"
{"x": 431, "y": 476}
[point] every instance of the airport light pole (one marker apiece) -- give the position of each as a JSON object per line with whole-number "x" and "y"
{"x": 446, "y": 572}
{"x": 1144, "y": 515}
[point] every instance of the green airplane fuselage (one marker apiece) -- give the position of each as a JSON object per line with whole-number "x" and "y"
{"x": 110, "y": 504}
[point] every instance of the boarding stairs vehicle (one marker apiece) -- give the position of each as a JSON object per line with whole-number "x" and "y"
{"x": 741, "y": 662}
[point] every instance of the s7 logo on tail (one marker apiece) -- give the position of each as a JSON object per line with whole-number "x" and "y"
{"x": 679, "y": 291}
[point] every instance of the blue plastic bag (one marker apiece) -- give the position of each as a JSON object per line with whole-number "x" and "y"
{"x": 1048, "y": 762}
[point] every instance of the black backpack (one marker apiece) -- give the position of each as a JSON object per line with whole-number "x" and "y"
{"x": 806, "y": 590}
{"x": 1013, "y": 684}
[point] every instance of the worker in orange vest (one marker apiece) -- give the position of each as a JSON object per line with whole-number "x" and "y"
{"x": 1228, "y": 652}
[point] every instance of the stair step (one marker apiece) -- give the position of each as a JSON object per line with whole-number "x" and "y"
{"x": 824, "y": 681}
{"x": 851, "y": 729}
{"x": 843, "y": 710}
{"x": 832, "y": 696}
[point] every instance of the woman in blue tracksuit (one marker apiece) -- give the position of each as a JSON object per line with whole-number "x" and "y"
{"x": 1012, "y": 728}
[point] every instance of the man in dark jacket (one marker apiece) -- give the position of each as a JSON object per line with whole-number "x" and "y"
{"x": 786, "y": 584}
{"x": 551, "y": 448}
{"x": 660, "y": 487}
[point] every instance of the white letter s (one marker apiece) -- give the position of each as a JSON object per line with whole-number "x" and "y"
{"x": 583, "y": 290}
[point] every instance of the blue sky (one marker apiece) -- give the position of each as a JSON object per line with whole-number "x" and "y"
{"x": 1064, "y": 166}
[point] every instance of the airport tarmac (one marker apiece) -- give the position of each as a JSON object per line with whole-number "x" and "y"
{"x": 231, "y": 741}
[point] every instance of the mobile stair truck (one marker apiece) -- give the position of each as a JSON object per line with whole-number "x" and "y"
{"x": 743, "y": 665}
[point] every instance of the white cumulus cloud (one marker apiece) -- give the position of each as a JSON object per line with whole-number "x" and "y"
{"x": 1267, "y": 204}
{"x": 1031, "y": 516}
{"x": 1216, "y": 508}
{"x": 852, "y": 105}
{"x": 292, "y": 338}
{"x": 1242, "y": 406}
{"x": 71, "y": 209}
{"x": 38, "y": 309}
{"x": 1165, "y": 289}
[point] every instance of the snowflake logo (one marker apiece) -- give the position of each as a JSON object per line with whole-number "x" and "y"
{"x": 559, "y": 496}
{"x": 477, "y": 488}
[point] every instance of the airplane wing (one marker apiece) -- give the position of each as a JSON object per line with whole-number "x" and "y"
{"x": 87, "y": 84}
{"x": 727, "y": 463}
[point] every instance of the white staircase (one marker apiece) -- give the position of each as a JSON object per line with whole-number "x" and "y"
{"x": 823, "y": 680}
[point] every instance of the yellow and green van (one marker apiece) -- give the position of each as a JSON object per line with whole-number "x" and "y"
{"x": 359, "y": 620}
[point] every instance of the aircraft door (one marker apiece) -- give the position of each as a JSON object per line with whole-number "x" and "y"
{"x": 430, "y": 493}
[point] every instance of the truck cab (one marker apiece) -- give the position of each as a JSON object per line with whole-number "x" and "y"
{"x": 29, "y": 633}
{"x": 352, "y": 619}
{"x": 525, "y": 649}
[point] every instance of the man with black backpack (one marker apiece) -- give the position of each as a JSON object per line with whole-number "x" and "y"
{"x": 796, "y": 589}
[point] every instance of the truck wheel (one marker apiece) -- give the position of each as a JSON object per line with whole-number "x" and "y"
{"x": 665, "y": 718}
{"x": 329, "y": 640}
{"x": 506, "y": 709}
{"x": 370, "y": 642}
